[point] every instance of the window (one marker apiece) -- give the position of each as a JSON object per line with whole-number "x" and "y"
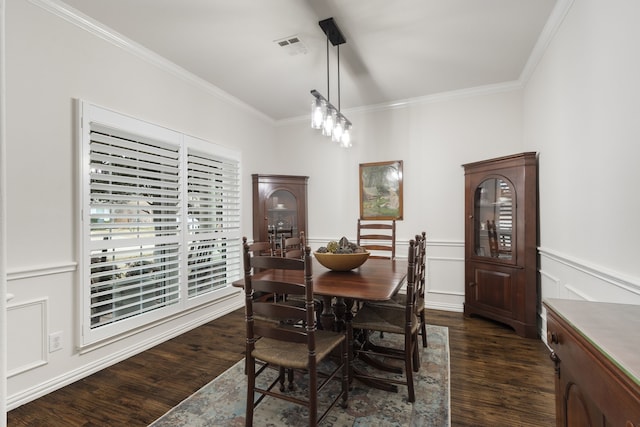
{"x": 160, "y": 223}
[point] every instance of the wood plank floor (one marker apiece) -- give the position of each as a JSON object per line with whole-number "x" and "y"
{"x": 497, "y": 378}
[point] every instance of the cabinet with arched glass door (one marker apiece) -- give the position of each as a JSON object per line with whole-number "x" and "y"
{"x": 279, "y": 207}
{"x": 501, "y": 218}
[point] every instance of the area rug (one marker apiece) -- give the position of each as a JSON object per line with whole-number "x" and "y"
{"x": 222, "y": 401}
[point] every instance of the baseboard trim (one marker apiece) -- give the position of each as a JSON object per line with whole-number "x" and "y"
{"x": 70, "y": 377}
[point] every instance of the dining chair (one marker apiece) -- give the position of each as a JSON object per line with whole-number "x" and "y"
{"x": 379, "y": 237}
{"x": 391, "y": 319}
{"x": 399, "y": 299}
{"x": 285, "y": 337}
{"x": 260, "y": 249}
{"x": 293, "y": 247}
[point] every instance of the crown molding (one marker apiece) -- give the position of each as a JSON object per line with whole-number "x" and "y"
{"x": 75, "y": 17}
{"x": 421, "y": 100}
{"x": 556, "y": 18}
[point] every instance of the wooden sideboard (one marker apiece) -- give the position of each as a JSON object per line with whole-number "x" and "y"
{"x": 596, "y": 350}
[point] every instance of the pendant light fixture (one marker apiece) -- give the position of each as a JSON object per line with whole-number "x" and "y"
{"x": 324, "y": 115}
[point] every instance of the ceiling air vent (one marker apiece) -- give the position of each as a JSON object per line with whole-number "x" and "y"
{"x": 292, "y": 45}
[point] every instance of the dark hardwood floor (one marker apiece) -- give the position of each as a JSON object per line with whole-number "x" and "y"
{"x": 497, "y": 378}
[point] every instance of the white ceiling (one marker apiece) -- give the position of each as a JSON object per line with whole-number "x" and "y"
{"x": 395, "y": 50}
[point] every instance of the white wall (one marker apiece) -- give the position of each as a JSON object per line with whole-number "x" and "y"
{"x": 50, "y": 62}
{"x": 433, "y": 138}
{"x": 581, "y": 112}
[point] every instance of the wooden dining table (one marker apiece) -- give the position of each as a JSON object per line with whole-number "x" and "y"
{"x": 375, "y": 280}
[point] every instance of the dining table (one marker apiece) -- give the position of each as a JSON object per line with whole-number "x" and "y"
{"x": 375, "y": 280}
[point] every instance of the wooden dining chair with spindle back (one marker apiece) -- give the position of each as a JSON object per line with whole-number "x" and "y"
{"x": 401, "y": 320}
{"x": 285, "y": 337}
{"x": 420, "y": 284}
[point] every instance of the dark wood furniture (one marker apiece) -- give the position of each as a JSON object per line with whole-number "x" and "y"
{"x": 279, "y": 207}
{"x": 285, "y": 337}
{"x": 399, "y": 299}
{"x": 596, "y": 351}
{"x": 375, "y": 280}
{"x": 293, "y": 247}
{"x": 395, "y": 319}
{"x": 378, "y": 237}
{"x": 501, "y": 227}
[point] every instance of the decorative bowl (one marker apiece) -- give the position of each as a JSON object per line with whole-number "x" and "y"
{"x": 341, "y": 262}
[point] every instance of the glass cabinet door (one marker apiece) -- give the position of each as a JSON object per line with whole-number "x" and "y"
{"x": 494, "y": 217}
{"x": 282, "y": 215}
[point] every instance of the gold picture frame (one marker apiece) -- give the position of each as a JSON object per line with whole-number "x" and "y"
{"x": 381, "y": 190}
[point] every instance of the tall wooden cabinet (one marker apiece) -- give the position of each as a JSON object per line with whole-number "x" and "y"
{"x": 501, "y": 228}
{"x": 279, "y": 206}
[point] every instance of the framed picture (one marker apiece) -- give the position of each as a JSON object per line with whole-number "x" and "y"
{"x": 381, "y": 190}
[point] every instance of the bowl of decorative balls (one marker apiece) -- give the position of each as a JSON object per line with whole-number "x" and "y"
{"x": 341, "y": 256}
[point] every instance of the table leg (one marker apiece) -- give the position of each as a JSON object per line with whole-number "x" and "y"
{"x": 340, "y": 309}
{"x": 327, "y": 318}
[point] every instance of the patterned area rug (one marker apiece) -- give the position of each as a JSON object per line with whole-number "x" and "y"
{"x": 222, "y": 401}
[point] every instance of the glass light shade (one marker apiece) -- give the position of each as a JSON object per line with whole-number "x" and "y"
{"x": 338, "y": 130}
{"x": 318, "y": 109}
{"x": 329, "y": 120}
{"x": 345, "y": 141}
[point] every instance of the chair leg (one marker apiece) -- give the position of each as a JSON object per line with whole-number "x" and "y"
{"x": 345, "y": 373}
{"x": 290, "y": 378}
{"x": 251, "y": 383}
{"x": 408, "y": 360}
{"x": 423, "y": 328}
{"x": 281, "y": 378}
{"x": 313, "y": 398}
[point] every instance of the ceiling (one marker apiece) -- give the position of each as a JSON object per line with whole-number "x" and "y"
{"x": 394, "y": 50}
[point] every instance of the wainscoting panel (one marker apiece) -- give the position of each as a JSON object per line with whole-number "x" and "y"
{"x": 562, "y": 276}
{"x": 445, "y": 275}
{"x": 565, "y": 277}
{"x": 26, "y": 336}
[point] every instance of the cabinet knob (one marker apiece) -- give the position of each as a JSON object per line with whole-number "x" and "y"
{"x": 470, "y": 216}
{"x": 472, "y": 284}
{"x": 552, "y": 337}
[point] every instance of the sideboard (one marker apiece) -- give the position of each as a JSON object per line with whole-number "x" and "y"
{"x": 596, "y": 350}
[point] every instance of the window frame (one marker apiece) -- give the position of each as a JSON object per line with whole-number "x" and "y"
{"x": 225, "y": 234}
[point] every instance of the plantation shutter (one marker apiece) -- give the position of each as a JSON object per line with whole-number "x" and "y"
{"x": 160, "y": 229}
{"x": 505, "y": 214}
{"x": 134, "y": 191}
{"x": 213, "y": 210}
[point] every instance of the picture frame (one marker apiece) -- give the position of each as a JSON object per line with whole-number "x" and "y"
{"x": 381, "y": 190}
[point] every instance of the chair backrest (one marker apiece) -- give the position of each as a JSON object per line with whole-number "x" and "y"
{"x": 493, "y": 238}
{"x": 379, "y": 237}
{"x": 421, "y": 260}
{"x": 276, "y": 319}
{"x": 411, "y": 300}
{"x": 293, "y": 247}
{"x": 259, "y": 248}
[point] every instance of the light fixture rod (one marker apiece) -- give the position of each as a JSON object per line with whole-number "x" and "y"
{"x": 338, "y": 77}
{"x": 328, "y": 86}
